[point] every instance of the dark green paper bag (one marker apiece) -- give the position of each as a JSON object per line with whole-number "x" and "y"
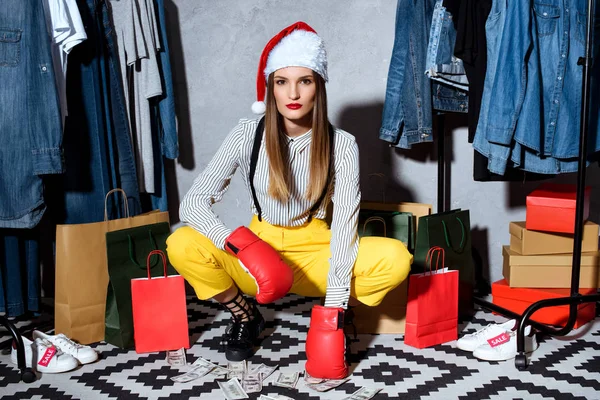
{"x": 451, "y": 231}
{"x": 126, "y": 252}
{"x": 391, "y": 224}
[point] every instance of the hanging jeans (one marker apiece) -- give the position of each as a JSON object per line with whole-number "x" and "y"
{"x": 98, "y": 149}
{"x": 19, "y": 271}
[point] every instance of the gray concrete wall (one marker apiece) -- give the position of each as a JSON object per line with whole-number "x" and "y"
{"x": 215, "y": 47}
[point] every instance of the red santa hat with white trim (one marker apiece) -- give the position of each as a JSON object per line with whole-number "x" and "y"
{"x": 298, "y": 45}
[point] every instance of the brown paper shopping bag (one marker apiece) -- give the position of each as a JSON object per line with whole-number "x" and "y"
{"x": 82, "y": 273}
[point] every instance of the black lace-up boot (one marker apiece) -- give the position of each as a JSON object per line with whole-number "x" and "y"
{"x": 246, "y": 325}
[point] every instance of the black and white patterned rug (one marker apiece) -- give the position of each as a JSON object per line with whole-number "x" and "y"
{"x": 566, "y": 368}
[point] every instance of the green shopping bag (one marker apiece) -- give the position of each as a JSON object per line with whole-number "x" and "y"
{"x": 126, "y": 252}
{"x": 391, "y": 224}
{"x": 451, "y": 231}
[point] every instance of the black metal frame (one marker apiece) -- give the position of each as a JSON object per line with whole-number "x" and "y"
{"x": 575, "y": 298}
{"x": 27, "y": 374}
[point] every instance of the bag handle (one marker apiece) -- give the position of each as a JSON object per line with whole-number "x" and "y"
{"x": 462, "y": 240}
{"x": 125, "y": 203}
{"x": 132, "y": 252}
{"x": 435, "y": 250}
{"x": 164, "y": 258}
{"x": 378, "y": 219}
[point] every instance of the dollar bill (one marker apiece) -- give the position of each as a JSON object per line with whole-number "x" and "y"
{"x": 216, "y": 369}
{"x": 263, "y": 370}
{"x": 287, "y": 380}
{"x": 232, "y": 389}
{"x": 310, "y": 380}
{"x": 252, "y": 383}
{"x": 176, "y": 358}
{"x": 236, "y": 370}
{"x": 194, "y": 373}
{"x": 327, "y": 384}
{"x": 281, "y": 397}
{"x": 264, "y": 397}
{"x": 363, "y": 394}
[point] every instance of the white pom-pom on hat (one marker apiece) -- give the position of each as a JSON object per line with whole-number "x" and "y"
{"x": 259, "y": 107}
{"x": 298, "y": 45}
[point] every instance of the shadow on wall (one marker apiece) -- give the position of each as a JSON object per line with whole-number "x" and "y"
{"x": 182, "y": 110}
{"x": 182, "y": 102}
{"x": 364, "y": 121}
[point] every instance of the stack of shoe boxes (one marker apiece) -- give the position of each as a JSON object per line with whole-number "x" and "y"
{"x": 538, "y": 262}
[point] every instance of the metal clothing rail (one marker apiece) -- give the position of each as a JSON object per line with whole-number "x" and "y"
{"x": 575, "y": 298}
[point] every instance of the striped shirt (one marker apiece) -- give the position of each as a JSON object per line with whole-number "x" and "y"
{"x": 210, "y": 186}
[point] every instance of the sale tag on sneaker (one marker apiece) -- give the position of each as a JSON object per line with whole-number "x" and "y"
{"x": 45, "y": 360}
{"x": 499, "y": 340}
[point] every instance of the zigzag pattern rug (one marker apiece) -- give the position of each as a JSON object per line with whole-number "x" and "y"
{"x": 568, "y": 368}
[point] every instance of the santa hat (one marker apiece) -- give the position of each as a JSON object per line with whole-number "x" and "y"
{"x": 298, "y": 45}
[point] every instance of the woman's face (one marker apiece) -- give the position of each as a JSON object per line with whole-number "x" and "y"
{"x": 294, "y": 90}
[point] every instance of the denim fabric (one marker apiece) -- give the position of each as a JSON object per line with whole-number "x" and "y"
{"x": 30, "y": 121}
{"x": 19, "y": 263}
{"x": 167, "y": 126}
{"x": 531, "y": 105}
{"x": 451, "y": 99}
{"x": 441, "y": 64}
{"x": 98, "y": 151}
{"x": 407, "y": 111}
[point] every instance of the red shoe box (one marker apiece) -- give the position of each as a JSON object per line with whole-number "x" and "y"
{"x": 518, "y": 299}
{"x": 551, "y": 208}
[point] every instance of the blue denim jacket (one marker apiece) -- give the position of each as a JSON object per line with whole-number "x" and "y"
{"x": 531, "y": 104}
{"x": 409, "y": 101}
{"x": 30, "y": 121}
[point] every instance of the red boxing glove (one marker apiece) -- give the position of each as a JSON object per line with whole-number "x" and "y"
{"x": 273, "y": 276}
{"x": 326, "y": 344}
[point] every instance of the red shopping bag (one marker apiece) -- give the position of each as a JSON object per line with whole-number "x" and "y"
{"x": 159, "y": 311}
{"x": 432, "y": 309}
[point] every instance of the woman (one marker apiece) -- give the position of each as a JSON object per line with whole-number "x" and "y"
{"x": 290, "y": 183}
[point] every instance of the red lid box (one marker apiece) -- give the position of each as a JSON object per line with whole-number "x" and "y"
{"x": 551, "y": 208}
{"x": 518, "y": 299}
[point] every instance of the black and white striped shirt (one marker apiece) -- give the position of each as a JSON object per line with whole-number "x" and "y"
{"x": 210, "y": 186}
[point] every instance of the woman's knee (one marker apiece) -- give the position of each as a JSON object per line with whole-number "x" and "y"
{"x": 399, "y": 259}
{"x": 179, "y": 244}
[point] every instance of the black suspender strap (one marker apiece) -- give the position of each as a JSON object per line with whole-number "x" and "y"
{"x": 253, "y": 160}
{"x": 258, "y": 135}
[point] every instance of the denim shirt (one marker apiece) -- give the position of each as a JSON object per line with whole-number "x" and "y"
{"x": 531, "y": 105}
{"x": 30, "y": 121}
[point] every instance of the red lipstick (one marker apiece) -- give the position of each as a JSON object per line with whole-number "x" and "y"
{"x": 293, "y": 106}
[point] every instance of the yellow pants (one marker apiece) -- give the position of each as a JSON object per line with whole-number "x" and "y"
{"x": 381, "y": 265}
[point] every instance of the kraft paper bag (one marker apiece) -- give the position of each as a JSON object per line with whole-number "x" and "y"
{"x": 82, "y": 273}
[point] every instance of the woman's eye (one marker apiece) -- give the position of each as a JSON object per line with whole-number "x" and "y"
{"x": 306, "y": 81}
{"x": 280, "y": 82}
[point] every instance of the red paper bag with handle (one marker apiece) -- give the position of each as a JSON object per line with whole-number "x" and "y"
{"x": 159, "y": 311}
{"x": 432, "y": 309}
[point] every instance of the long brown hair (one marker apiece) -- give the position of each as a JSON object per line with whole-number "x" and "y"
{"x": 277, "y": 149}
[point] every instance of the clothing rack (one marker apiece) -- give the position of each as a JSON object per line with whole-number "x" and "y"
{"x": 575, "y": 297}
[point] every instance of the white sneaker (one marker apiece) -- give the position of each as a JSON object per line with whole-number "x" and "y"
{"x": 83, "y": 354}
{"x": 473, "y": 340}
{"x": 504, "y": 346}
{"x": 48, "y": 359}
